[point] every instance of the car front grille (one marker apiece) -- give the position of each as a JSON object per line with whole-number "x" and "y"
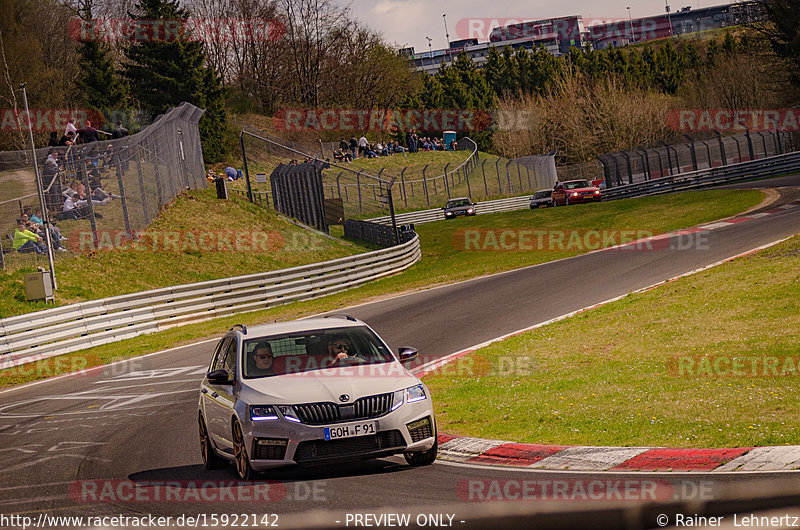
{"x": 362, "y": 409}
{"x": 315, "y": 450}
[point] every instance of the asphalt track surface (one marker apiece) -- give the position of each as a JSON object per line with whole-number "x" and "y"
{"x": 71, "y": 446}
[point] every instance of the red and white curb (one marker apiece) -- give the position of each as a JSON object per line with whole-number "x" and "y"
{"x": 579, "y": 458}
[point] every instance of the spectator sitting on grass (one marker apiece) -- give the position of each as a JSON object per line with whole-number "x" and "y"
{"x": 370, "y": 151}
{"x": 27, "y": 241}
{"x": 36, "y": 218}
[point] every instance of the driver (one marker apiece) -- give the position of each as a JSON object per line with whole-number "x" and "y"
{"x": 262, "y": 356}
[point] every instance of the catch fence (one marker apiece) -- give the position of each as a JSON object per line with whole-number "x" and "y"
{"x": 121, "y": 185}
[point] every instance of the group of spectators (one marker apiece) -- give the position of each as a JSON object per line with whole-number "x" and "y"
{"x": 353, "y": 149}
{"x": 83, "y": 135}
{"x": 425, "y": 143}
{"x": 29, "y": 236}
{"x": 347, "y": 150}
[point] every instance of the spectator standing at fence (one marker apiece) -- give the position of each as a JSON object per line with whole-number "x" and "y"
{"x": 119, "y": 131}
{"x": 67, "y": 140}
{"x": 27, "y": 241}
{"x": 87, "y": 133}
{"x": 353, "y": 145}
{"x": 71, "y": 128}
{"x": 343, "y": 145}
{"x": 362, "y": 145}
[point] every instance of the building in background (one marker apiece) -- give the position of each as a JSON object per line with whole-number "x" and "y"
{"x": 558, "y": 35}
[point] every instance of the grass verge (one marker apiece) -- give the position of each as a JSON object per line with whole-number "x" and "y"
{"x": 241, "y": 238}
{"x": 444, "y": 262}
{"x": 661, "y": 369}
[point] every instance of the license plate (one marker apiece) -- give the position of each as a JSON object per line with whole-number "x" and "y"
{"x": 350, "y": 430}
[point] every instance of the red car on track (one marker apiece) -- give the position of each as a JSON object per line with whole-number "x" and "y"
{"x": 574, "y": 192}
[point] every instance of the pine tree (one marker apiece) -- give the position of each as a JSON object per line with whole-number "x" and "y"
{"x": 98, "y": 81}
{"x": 163, "y": 72}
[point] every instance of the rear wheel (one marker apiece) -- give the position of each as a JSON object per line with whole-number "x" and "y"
{"x": 210, "y": 457}
{"x": 422, "y": 458}
{"x": 243, "y": 468}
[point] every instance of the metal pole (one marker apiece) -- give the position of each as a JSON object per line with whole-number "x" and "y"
{"x": 403, "y": 185}
{"x": 358, "y": 185}
{"x": 497, "y": 170}
{"x": 247, "y": 173}
{"x": 508, "y": 177}
{"x": 446, "y": 184}
{"x": 40, "y": 191}
{"x": 483, "y": 170}
{"x": 425, "y": 184}
{"x": 694, "y": 153}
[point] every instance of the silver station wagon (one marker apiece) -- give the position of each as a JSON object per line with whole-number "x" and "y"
{"x": 310, "y": 392}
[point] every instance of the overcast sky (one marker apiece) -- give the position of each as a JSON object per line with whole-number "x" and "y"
{"x": 408, "y": 22}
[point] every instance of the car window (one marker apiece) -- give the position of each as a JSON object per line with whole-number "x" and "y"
{"x": 456, "y": 204}
{"x": 217, "y": 360}
{"x": 229, "y": 363}
{"x": 577, "y": 184}
{"x": 308, "y": 351}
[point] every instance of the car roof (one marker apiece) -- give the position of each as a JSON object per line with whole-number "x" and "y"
{"x": 293, "y": 326}
{"x": 458, "y": 199}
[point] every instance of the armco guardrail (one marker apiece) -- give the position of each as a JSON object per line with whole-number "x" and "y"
{"x": 437, "y": 214}
{"x": 61, "y": 330}
{"x": 754, "y": 169}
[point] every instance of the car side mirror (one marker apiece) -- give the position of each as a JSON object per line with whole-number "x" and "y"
{"x": 218, "y": 377}
{"x": 407, "y": 354}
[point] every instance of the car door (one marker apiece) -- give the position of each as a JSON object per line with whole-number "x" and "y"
{"x": 219, "y": 399}
{"x": 558, "y": 194}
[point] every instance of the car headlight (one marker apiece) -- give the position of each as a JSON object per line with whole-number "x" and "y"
{"x": 263, "y": 413}
{"x": 597, "y": 192}
{"x": 470, "y": 211}
{"x": 398, "y": 399}
{"x": 289, "y": 413}
{"x": 575, "y": 193}
{"x": 415, "y": 393}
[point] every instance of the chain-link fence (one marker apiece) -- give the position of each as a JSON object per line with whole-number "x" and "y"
{"x": 101, "y": 193}
{"x": 642, "y": 164}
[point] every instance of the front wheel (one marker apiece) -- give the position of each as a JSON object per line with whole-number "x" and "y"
{"x": 566, "y": 201}
{"x": 243, "y": 468}
{"x": 422, "y": 458}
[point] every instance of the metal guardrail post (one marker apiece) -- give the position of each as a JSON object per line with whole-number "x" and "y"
{"x": 446, "y": 183}
{"x": 141, "y": 184}
{"x": 89, "y": 202}
{"x": 483, "y": 170}
{"x": 764, "y": 141}
{"x": 358, "y": 184}
{"x": 630, "y": 170}
{"x": 750, "y": 143}
{"x": 669, "y": 158}
{"x": 425, "y": 184}
{"x": 738, "y": 147}
{"x": 247, "y": 173}
{"x": 722, "y": 152}
{"x": 645, "y": 162}
{"x": 708, "y": 153}
{"x": 694, "y": 153}
{"x": 403, "y": 186}
{"x": 123, "y": 198}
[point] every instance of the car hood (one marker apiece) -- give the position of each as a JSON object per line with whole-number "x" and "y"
{"x": 583, "y": 190}
{"x": 327, "y": 385}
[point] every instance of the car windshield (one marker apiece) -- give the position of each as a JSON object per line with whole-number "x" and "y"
{"x": 543, "y": 194}
{"x": 458, "y": 202}
{"x": 577, "y": 184}
{"x": 311, "y": 350}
